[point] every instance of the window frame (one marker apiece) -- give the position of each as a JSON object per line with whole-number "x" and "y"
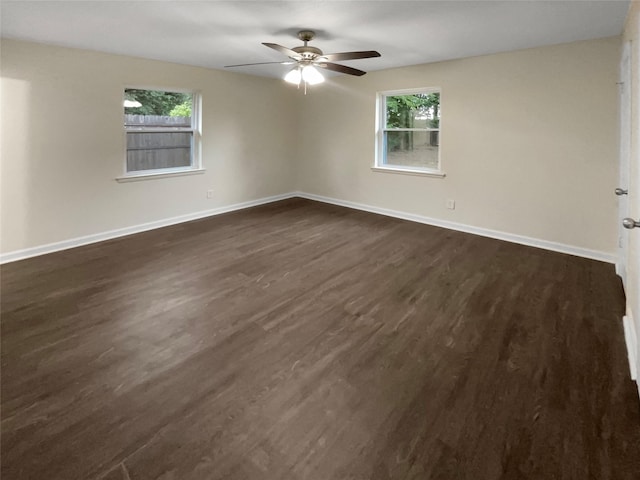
{"x": 381, "y": 128}
{"x": 196, "y": 166}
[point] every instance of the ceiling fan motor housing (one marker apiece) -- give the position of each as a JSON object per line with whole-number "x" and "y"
{"x": 307, "y": 52}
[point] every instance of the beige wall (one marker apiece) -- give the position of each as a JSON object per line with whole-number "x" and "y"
{"x": 528, "y": 143}
{"x": 63, "y": 145}
{"x": 632, "y": 34}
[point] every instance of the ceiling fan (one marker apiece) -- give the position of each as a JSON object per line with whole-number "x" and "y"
{"x": 308, "y": 59}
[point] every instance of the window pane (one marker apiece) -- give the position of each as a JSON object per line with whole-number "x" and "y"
{"x": 157, "y": 103}
{"x": 168, "y": 115}
{"x": 420, "y": 110}
{"x": 150, "y": 151}
{"x": 412, "y": 149}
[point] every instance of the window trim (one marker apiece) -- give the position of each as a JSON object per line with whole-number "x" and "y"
{"x": 159, "y": 173}
{"x": 381, "y": 119}
{"x": 196, "y": 166}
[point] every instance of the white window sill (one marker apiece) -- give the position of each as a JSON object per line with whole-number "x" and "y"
{"x": 137, "y": 177}
{"x": 410, "y": 171}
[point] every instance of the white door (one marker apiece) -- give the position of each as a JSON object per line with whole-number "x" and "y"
{"x": 625, "y": 154}
{"x": 633, "y": 235}
{"x": 630, "y": 203}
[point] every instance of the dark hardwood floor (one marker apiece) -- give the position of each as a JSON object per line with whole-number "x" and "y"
{"x": 299, "y": 340}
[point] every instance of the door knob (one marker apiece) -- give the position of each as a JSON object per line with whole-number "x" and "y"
{"x": 621, "y": 191}
{"x": 630, "y": 223}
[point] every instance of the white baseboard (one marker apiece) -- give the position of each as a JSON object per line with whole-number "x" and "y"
{"x": 485, "y": 232}
{"x": 631, "y": 339}
{"x": 121, "y": 232}
{"x": 99, "y": 237}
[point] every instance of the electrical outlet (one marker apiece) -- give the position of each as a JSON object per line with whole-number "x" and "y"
{"x": 209, "y": 193}
{"x": 451, "y": 204}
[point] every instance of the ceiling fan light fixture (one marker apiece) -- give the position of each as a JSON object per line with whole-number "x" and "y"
{"x": 294, "y": 76}
{"x": 311, "y": 75}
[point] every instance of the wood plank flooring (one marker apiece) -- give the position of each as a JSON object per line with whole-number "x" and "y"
{"x": 299, "y": 340}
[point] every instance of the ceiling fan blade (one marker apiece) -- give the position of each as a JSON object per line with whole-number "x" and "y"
{"x": 341, "y": 68}
{"x": 336, "y": 57}
{"x": 287, "y": 51}
{"x": 259, "y": 63}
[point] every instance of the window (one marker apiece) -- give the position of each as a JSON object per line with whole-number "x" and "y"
{"x": 408, "y": 131}
{"x": 162, "y": 132}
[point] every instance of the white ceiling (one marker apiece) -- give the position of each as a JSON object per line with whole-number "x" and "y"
{"x": 217, "y": 33}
